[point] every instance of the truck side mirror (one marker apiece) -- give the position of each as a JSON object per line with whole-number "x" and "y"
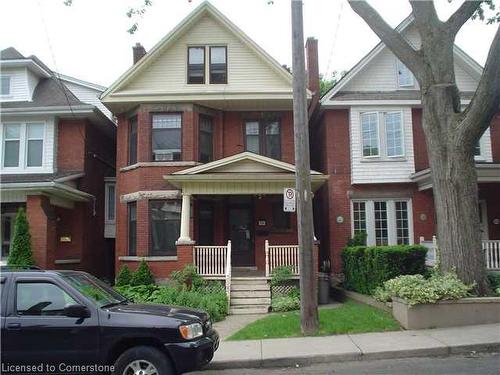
{"x": 76, "y": 311}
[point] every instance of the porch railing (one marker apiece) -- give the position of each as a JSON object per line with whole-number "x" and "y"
{"x": 210, "y": 260}
{"x": 491, "y": 250}
{"x": 281, "y": 255}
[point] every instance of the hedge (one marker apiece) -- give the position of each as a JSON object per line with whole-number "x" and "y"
{"x": 366, "y": 268}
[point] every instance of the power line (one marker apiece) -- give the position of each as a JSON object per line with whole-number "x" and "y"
{"x": 334, "y": 40}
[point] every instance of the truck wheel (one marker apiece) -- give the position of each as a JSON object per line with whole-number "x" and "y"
{"x": 143, "y": 360}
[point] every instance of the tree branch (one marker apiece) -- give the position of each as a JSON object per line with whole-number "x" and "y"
{"x": 461, "y": 15}
{"x": 486, "y": 99}
{"x": 425, "y": 10}
{"x": 390, "y": 37}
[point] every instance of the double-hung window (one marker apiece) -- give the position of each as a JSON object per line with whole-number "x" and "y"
{"x": 23, "y": 145}
{"x": 167, "y": 136}
{"x": 165, "y": 219}
{"x": 385, "y": 221}
{"x": 5, "y": 85}
{"x": 405, "y": 77}
{"x": 196, "y": 65}
{"x": 132, "y": 141}
{"x": 218, "y": 65}
{"x": 132, "y": 228}
{"x": 264, "y": 138}
{"x": 206, "y": 143}
{"x": 382, "y": 134}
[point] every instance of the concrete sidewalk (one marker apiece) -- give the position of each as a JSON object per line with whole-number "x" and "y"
{"x": 380, "y": 345}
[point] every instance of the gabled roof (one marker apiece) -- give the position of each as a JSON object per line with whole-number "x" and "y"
{"x": 245, "y": 162}
{"x": 10, "y": 53}
{"x": 203, "y": 9}
{"x": 464, "y": 60}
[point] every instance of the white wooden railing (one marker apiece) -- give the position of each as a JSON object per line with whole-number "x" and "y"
{"x": 491, "y": 250}
{"x": 228, "y": 273}
{"x": 281, "y": 255}
{"x": 211, "y": 260}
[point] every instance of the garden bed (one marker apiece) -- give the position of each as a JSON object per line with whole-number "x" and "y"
{"x": 447, "y": 313}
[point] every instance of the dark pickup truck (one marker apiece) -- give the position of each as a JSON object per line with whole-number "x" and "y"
{"x": 70, "y": 322}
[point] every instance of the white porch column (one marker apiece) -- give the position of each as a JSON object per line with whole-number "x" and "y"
{"x": 185, "y": 238}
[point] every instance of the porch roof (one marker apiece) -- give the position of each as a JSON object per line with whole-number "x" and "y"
{"x": 486, "y": 172}
{"x": 244, "y": 173}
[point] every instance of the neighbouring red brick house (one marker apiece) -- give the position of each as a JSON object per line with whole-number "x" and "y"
{"x": 372, "y": 146}
{"x": 57, "y": 147}
{"x": 204, "y": 150}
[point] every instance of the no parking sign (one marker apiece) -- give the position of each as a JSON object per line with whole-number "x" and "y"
{"x": 289, "y": 200}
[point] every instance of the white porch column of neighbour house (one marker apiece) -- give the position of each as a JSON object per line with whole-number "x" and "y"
{"x": 185, "y": 237}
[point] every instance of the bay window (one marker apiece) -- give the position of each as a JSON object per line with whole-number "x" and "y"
{"x": 382, "y": 134}
{"x": 385, "y": 221}
{"x": 23, "y": 145}
{"x": 132, "y": 141}
{"x": 166, "y": 136}
{"x": 264, "y": 138}
{"x": 165, "y": 221}
{"x": 132, "y": 228}
{"x": 206, "y": 143}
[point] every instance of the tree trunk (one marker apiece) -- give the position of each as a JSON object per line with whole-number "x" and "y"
{"x": 455, "y": 189}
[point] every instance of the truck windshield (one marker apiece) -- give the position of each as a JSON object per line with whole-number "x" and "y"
{"x": 95, "y": 289}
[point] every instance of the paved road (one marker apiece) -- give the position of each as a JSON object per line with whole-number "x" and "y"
{"x": 478, "y": 364}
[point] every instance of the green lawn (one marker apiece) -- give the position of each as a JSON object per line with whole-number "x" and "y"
{"x": 351, "y": 317}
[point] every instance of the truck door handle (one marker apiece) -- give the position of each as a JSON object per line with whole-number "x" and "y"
{"x": 14, "y": 326}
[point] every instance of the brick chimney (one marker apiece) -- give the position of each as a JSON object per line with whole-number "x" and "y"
{"x": 138, "y": 52}
{"x": 312, "y": 72}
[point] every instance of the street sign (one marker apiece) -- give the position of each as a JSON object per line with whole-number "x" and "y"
{"x": 289, "y": 200}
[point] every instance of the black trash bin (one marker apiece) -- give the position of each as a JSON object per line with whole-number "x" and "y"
{"x": 323, "y": 288}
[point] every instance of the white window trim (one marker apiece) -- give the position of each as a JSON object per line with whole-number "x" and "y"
{"x": 404, "y": 86}
{"x": 9, "y": 95}
{"x": 379, "y": 142}
{"x": 401, "y": 117}
{"x": 23, "y": 147}
{"x": 207, "y": 65}
{"x": 391, "y": 219}
{"x": 106, "y": 203}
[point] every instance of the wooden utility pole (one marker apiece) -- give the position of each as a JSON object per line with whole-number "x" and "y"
{"x": 308, "y": 284}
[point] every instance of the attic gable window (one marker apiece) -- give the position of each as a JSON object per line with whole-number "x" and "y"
{"x": 4, "y": 85}
{"x": 218, "y": 65}
{"x": 405, "y": 77}
{"x": 196, "y": 65}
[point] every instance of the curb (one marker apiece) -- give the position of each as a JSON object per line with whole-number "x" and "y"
{"x": 354, "y": 356}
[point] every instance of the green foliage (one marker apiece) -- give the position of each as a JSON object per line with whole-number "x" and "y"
{"x": 494, "y": 279}
{"x": 143, "y": 275}
{"x": 349, "y": 318}
{"x": 20, "y": 253}
{"x": 418, "y": 289}
{"x": 211, "y": 297}
{"x": 366, "y": 268}
{"x": 287, "y": 302}
{"x": 188, "y": 277}
{"x": 326, "y": 83}
{"x": 359, "y": 239}
{"x": 281, "y": 275}
{"x": 124, "y": 276}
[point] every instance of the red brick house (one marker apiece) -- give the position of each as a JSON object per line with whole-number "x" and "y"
{"x": 373, "y": 148}
{"x": 204, "y": 151}
{"x": 57, "y": 147}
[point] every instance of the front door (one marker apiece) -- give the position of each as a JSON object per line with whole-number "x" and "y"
{"x": 241, "y": 236}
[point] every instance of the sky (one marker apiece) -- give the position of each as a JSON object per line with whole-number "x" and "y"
{"x": 89, "y": 40}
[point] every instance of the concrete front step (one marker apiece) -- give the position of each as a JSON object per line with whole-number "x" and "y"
{"x": 250, "y": 301}
{"x": 244, "y": 309}
{"x": 250, "y": 293}
{"x": 248, "y": 281}
{"x": 248, "y": 287}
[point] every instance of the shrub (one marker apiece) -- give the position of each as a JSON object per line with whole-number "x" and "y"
{"x": 359, "y": 239}
{"x": 366, "y": 268}
{"x": 188, "y": 276}
{"x": 281, "y": 275}
{"x": 285, "y": 303}
{"x": 143, "y": 275}
{"x": 417, "y": 289}
{"x": 494, "y": 279}
{"x": 124, "y": 276}
{"x": 20, "y": 253}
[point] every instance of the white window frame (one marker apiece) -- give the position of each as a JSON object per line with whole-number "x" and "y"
{"x": 23, "y": 146}
{"x": 207, "y": 65}
{"x": 382, "y": 136}
{"x": 9, "y": 76}
{"x": 107, "y": 220}
{"x": 379, "y": 143}
{"x": 401, "y": 66}
{"x": 391, "y": 219}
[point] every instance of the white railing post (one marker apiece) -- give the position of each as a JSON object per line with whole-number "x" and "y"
{"x": 267, "y": 257}
{"x": 228, "y": 272}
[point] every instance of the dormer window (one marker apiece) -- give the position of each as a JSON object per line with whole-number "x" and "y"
{"x": 196, "y": 65}
{"x": 405, "y": 77}
{"x": 4, "y": 85}
{"x": 218, "y": 65}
